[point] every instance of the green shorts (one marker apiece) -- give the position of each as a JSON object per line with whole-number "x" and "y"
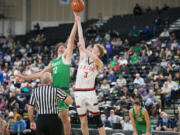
{"x": 142, "y": 129}
{"x": 61, "y": 104}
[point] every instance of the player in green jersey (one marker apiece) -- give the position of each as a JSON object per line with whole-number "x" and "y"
{"x": 60, "y": 69}
{"x": 140, "y": 119}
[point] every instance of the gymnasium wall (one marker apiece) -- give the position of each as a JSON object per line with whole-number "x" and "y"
{"x": 13, "y": 11}
{"x": 52, "y": 13}
{"x": 52, "y": 10}
{"x": 116, "y": 7}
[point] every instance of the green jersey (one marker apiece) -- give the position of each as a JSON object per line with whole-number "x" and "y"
{"x": 60, "y": 73}
{"x": 139, "y": 119}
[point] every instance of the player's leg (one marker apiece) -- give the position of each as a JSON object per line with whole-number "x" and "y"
{"x": 80, "y": 100}
{"x": 64, "y": 115}
{"x": 66, "y": 121}
{"x": 94, "y": 110}
{"x": 84, "y": 125}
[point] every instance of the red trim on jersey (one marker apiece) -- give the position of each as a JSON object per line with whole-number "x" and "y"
{"x": 78, "y": 106}
{"x": 94, "y": 112}
{"x": 84, "y": 89}
{"x": 81, "y": 115}
{"x": 96, "y": 103}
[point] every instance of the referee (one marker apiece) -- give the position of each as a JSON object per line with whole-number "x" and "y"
{"x": 44, "y": 99}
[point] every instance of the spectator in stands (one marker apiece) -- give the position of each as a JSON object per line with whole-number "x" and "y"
{"x": 105, "y": 121}
{"x": 139, "y": 80}
{"x": 37, "y": 27}
{"x": 165, "y": 124}
{"x": 126, "y": 123}
{"x": 172, "y": 84}
{"x": 135, "y": 96}
{"x": 15, "y": 113}
{"x": 135, "y": 59}
{"x": 164, "y": 63}
{"x": 12, "y": 100}
{"x": 107, "y": 36}
{"x": 122, "y": 61}
{"x": 116, "y": 89}
{"x": 19, "y": 126}
{"x": 166, "y": 93}
{"x": 137, "y": 10}
{"x": 143, "y": 59}
{"x": 148, "y": 51}
{"x": 101, "y": 99}
{"x": 1, "y": 76}
{"x": 148, "y": 9}
{"x": 114, "y": 60}
{"x": 138, "y": 48}
{"x": 10, "y": 124}
{"x": 1, "y": 88}
{"x": 177, "y": 79}
{"x": 134, "y": 32}
{"x": 121, "y": 81}
{"x": 147, "y": 30}
{"x": 142, "y": 92}
{"x": 114, "y": 119}
{"x": 164, "y": 34}
{"x": 114, "y": 33}
{"x": 125, "y": 93}
{"x": 151, "y": 102}
{"x": 111, "y": 77}
{"x": 157, "y": 68}
{"x": 157, "y": 24}
{"x": 105, "y": 87}
{"x": 109, "y": 48}
{"x": 174, "y": 45}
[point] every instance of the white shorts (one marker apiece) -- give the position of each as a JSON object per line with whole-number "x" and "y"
{"x": 86, "y": 101}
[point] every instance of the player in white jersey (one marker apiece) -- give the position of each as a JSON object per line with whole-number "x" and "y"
{"x": 84, "y": 93}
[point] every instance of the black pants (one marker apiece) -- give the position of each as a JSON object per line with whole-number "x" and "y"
{"x": 49, "y": 125}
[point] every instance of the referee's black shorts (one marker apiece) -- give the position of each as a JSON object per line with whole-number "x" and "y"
{"x": 49, "y": 125}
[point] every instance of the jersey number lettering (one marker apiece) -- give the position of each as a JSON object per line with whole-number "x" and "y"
{"x": 55, "y": 70}
{"x": 86, "y": 74}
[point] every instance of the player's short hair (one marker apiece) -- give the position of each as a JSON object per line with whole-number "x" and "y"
{"x": 137, "y": 102}
{"x": 101, "y": 49}
{"x": 58, "y": 45}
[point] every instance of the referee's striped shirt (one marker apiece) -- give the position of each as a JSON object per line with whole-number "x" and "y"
{"x": 44, "y": 99}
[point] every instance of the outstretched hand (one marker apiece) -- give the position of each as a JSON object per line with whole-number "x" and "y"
{"x": 20, "y": 77}
{"x": 77, "y": 16}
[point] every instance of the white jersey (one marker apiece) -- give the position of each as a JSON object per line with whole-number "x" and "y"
{"x": 86, "y": 75}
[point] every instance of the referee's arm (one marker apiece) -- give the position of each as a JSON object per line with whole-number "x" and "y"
{"x": 31, "y": 107}
{"x": 61, "y": 95}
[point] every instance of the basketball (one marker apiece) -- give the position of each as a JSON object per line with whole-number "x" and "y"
{"x": 77, "y": 5}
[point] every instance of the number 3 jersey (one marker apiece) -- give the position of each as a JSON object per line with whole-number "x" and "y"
{"x": 86, "y": 75}
{"x": 60, "y": 72}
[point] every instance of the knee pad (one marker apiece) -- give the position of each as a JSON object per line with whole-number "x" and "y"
{"x": 97, "y": 121}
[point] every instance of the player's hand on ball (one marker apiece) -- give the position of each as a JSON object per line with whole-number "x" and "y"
{"x": 77, "y": 16}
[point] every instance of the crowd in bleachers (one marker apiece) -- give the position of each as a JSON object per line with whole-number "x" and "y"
{"x": 148, "y": 71}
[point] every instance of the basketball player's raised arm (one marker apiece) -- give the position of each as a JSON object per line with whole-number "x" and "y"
{"x": 92, "y": 56}
{"x": 133, "y": 121}
{"x": 146, "y": 116}
{"x": 70, "y": 44}
{"x": 80, "y": 35}
{"x": 35, "y": 75}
